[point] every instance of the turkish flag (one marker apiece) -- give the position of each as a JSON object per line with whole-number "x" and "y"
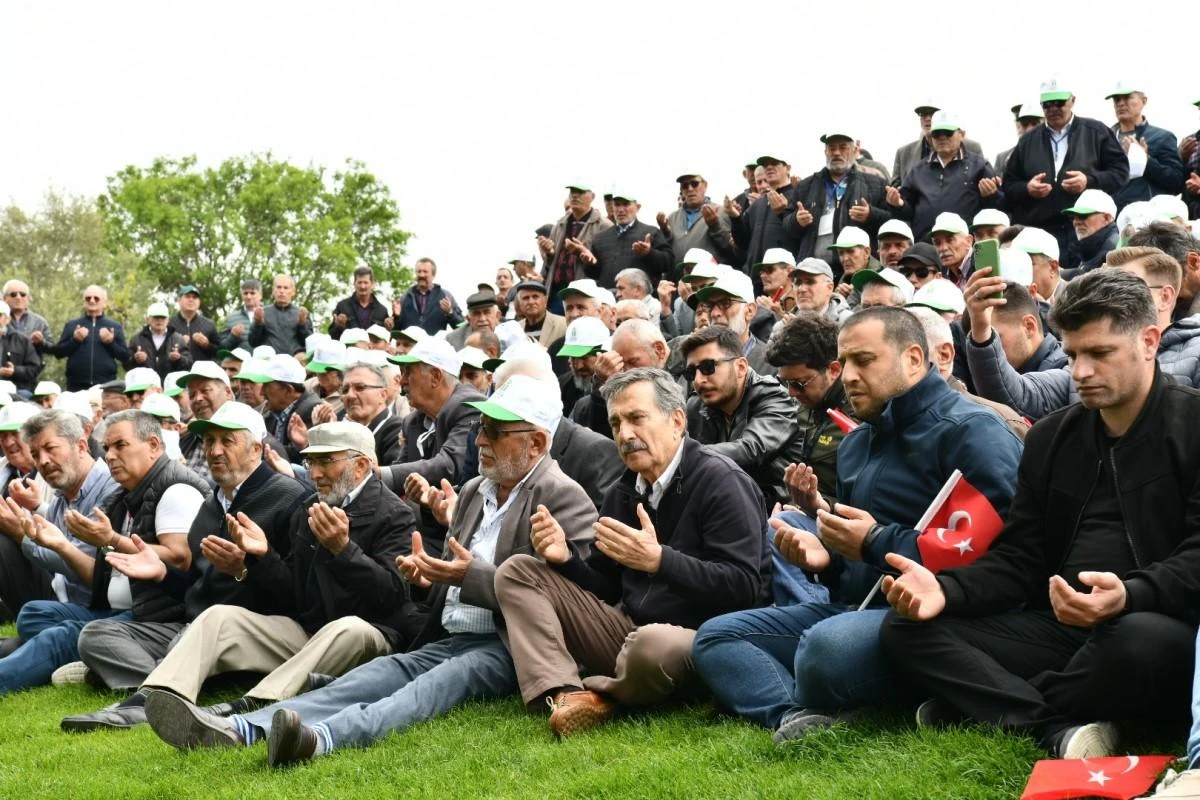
{"x": 1120, "y": 777}
{"x": 841, "y": 420}
{"x": 962, "y": 526}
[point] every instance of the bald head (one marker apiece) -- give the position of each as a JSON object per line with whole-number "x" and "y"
{"x": 640, "y": 344}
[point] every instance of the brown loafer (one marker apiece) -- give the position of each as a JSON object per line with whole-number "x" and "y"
{"x": 572, "y": 712}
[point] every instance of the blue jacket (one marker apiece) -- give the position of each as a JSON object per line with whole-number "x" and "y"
{"x": 434, "y": 319}
{"x": 91, "y": 361}
{"x": 1164, "y": 168}
{"x": 895, "y": 467}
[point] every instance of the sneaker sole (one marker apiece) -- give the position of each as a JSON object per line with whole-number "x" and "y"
{"x": 89, "y": 725}
{"x": 176, "y": 723}
{"x": 577, "y": 719}
{"x": 1098, "y": 740}
{"x": 69, "y": 675}
{"x": 799, "y": 728}
{"x": 284, "y": 738}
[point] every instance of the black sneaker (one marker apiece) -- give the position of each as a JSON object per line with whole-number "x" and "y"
{"x": 1093, "y": 740}
{"x": 937, "y": 714}
{"x": 795, "y": 725}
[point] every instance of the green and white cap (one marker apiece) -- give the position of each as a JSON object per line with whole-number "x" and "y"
{"x": 473, "y": 357}
{"x": 942, "y": 121}
{"x": 352, "y": 336}
{"x": 435, "y": 352}
{"x": 14, "y": 415}
{"x": 234, "y": 416}
{"x": 45, "y": 388}
{"x": 171, "y": 387}
{"x": 202, "y": 370}
{"x": 585, "y": 335}
{"x": 139, "y": 379}
{"x": 850, "y": 236}
{"x": 1051, "y": 90}
{"x": 254, "y": 370}
{"x": 161, "y": 406}
{"x": 330, "y": 355}
{"x": 76, "y": 403}
{"x": 524, "y": 399}
{"x": 1093, "y": 201}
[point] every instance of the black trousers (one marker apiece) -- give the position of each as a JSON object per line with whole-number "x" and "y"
{"x": 1026, "y": 671}
{"x": 21, "y": 580}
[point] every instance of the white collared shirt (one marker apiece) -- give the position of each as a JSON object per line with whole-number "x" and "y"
{"x": 660, "y": 484}
{"x": 1058, "y": 145}
{"x": 460, "y": 617}
{"x": 355, "y": 492}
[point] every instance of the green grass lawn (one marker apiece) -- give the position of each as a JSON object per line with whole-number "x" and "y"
{"x": 499, "y": 750}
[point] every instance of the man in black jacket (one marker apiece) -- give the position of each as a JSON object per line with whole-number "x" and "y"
{"x": 348, "y": 602}
{"x": 1161, "y": 170}
{"x": 93, "y": 344}
{"x": 361, "y": 309}
{"x": 19, "y": 359}
{"x": 158, "y": 346}
{"x": 628, "y": 243}
{"x": 1053, "y": 163}
{"x": 122, "y": 654}
{"x": 679, "y": 540}
{"x": 838, "y": 196}
{"x": 364, "y": 395}
{"x": 1093, "y": 219}
{"x": 287, "y": 396}
{"x": 198, "y": 331}
{"x": 1099, "y": 553}
{"x": 738, "y": 413}
{"x": 760, "y": 227}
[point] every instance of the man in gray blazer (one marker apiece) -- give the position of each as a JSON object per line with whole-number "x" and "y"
{"x": 911, "y": 153}
{"x": 461, "y": 654}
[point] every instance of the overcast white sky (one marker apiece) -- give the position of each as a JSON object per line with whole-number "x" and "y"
{"x": 476, "y": 114}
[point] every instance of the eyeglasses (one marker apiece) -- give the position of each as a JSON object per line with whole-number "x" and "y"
{"x": 494, "y": 433}
{"x": 18, "y": 294}
{"x": 797, "y": 386}
{"x": 920, "y": 272}
{"x": 725, "y": 303}
{"x": 360, "y": 387}
{"x": 323, "y": 463}
{"x": 689, "y": 184}
{"x": 1054, "y": 104}
{"x": 89, "y": 298}
{"x": 706, "y": 367}
{"x": 941, "y": 134}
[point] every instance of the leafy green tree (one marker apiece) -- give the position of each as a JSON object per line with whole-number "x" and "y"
{"x": 254, "y": 217}
{"x": 58, "y": 250}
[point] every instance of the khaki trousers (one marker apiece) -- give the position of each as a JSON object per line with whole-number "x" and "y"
{"x": 554, "y": 625}
{"x": 232, "y": 639}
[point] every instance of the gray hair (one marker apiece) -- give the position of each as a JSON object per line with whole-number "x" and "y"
{"x": 937, "y": 330}
{"x": 638, "y": 278}
{"x": 639, "y": 330}
{"x": 378, "y": 372}
{"x": 667, "y": 394}
{"x": 145, "y": 426}
{"x": 639, "y": 307}
{"x": 64, "y": 423}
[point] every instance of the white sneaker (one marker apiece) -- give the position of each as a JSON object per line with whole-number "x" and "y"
{"x": 1094, "y": 740}
{"x": 1184, "y": 784}
{"x": 67, "y": 674}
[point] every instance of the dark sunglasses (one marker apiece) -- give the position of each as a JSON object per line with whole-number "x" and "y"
{"x": 798, "y": 386}
{"x": 1054, "y": 104}
{"x": 920, "y": 272}
{"x": 90, "y": 298}
{"x": 18, "y": 294}
{"x": 689, "y": 184}
{"x": 706, "y": 367}
{"x": 494, "y": 433}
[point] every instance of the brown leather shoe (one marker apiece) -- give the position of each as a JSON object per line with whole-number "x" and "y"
{"x": 572, "y": 712}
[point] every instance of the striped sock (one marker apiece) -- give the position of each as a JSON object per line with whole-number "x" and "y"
{"x": 249, "y": 733}
{"x": 324, "y": 739}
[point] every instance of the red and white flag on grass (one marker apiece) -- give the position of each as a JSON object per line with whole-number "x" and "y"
{"x": 959, "y": 526}
{"x": 1121, "y": 777}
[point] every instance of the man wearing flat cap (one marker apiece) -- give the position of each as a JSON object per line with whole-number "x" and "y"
{"x": 628, "y": 243}
{"x": 697, "y": 223}
{"x": 913, "y": 152}
{"x": 483, "y": 314}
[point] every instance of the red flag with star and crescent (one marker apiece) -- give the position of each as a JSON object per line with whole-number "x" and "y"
{"x": 962, "y": 526}
{"x": 1120, "y": 777}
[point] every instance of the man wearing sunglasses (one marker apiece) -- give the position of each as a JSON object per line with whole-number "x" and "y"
{"x": 738, "y": 413}
{"x": 698, "y": 223}
{"x": 1157, "y": 169}
{"x": 92, "y": 344}
{"x": 34, "y": 326}
{"x": 920, "y": 264}
{"x": 1054, "y": 163}
{"x": 913, "y": 152}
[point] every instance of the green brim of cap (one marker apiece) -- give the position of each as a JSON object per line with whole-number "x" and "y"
{"x": 578, "y": 187}
{"x": 927, "y": 304}
{"x": 862, "y": 278}
{"x": 492, "y": 364}
{"x": 319, "y": 367}
{"x": 626, "y": 198}
{"x": 494, "y": 411}
{"x": 140, "y": 387}
{"x": 401, "y": 335}
{"x": 10, "y": 426}
{"x": 200, "y": 426}
{"x": 689, "y": 278}
{"x": 252, "y": 377}
{"x": 944, "y": 127}
{"x": 836, "y": 246}
{"x": 224, "y": 354}
{"x": 577, "y": 350}
{"x": 1081, "y": 211}
{"x": 173, "y": 392}
{"x": 404, "y": 358}
{"x": 1046, "y": 97}
{"x": 563, "y": 294}
{"x": 708, "y": 291}
{"x": 758, "y": 267}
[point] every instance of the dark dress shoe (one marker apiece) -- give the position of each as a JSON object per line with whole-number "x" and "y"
{"x": 112, "y": 718}
{"x": 290, "y": 742}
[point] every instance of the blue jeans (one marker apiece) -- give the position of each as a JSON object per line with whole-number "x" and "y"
{"x": 392, "y": 693}
{"x": 766, "y": 662}
{"x": 49, "y": 631}
{"x": 789, "y": 584}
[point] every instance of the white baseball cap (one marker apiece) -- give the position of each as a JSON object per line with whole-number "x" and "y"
{"x": 733, "y": 283}
{"x": 379, "y": 332}
{"x": 524, "y": 255}
{"x": 606, "y": 298}
{"x": 851, "y": 236}
{"x": 76, "y": 403}
{"x": 233, "y": 416}
{"x": 8, "y": 386}
{"x": 414, "y": 333}
{"x": 329, "y": 355}
{"x": 1169, "y": 206}
{"x": 524, "y": 399}
{"x": 706, "y": 269}
{"x": 159, "y": 405}
{"x": 282, "y": 368}
{"x": 510, "y": 333}
{"x": 5, "y": 399}
{"x": 1016, "y": 266}
{"x": 171, "y": 387}
{"x": 990, "y": 216}
{"x": 940, "y": 295}
{"x": 942, "y": 121}
{"x": 584, "y": 286}
{"x": 432, "y": 351}
{"x": 207, "y": 370}
{"x": 240, "y": 353}
{"x": 887, "y": 275}
{"x": 1121, "y": 89}
{"x": 949, "y": 222}
{"x": 312, "y": 340}
{"x": 1093, "y": 201}
{"x": 352, "y": 336}
{"x": 356, "y": 355}
{"x": 473, "y": 357}
{"x": 263, "y": 352}
{"x": 158, "y": 310}
{"x": 697, "y": 255}
{"x": 776, "y": 255}
{"x": 139, "y": 379}
{"x": 896, "y": 227}
{"x": 44, "y": 388}
{"x": 584, "y": 336}
{"x": 525, "y": 350}
{"x": 1036, "y": 240}
{"x": 14, "y": 415}
{"x": 1030, "y": 111}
